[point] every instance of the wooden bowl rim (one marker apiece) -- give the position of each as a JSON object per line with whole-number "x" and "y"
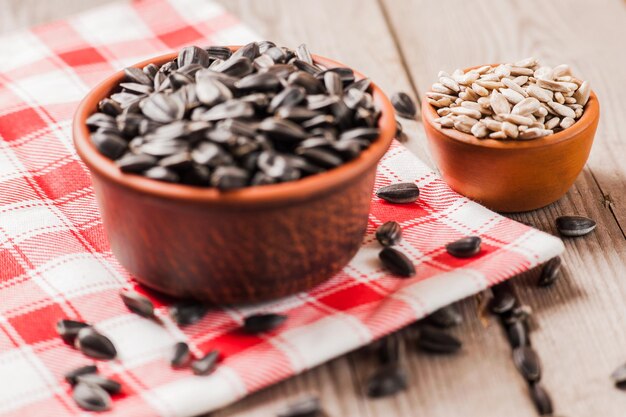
{"x": 298, "y": 190}
{"x": 590, "y": 115}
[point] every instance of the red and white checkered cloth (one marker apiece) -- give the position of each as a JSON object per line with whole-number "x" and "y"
{"x": 55, "y": 261}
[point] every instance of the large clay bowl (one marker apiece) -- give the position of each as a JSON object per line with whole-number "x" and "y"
{"x": 248, "y": 245}
{"x": 512, "y": 175}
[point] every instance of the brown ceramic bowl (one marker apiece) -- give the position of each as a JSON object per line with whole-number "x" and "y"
{"x": 247, "y": 245}
{"x": 512, "y": 176}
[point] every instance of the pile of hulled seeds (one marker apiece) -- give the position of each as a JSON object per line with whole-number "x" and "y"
{"x": 261, "y": 115}
{"x": 523, "y": 100}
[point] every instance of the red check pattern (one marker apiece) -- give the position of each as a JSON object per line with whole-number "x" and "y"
{"x": 55, "y": 261}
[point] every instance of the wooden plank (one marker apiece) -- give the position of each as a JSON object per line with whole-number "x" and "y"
{"x": 439, "y": 386}
{"x": 580, "y": 335}
{"x": 17, "y": 14}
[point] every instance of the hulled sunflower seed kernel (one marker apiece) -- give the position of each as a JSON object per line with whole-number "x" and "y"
{"x": 533, "y": 100}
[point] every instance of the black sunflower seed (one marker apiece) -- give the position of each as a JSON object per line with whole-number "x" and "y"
{"x": 265, "y": 45}
{"x": 162, "y": 108}
{"x": 150, "y": 70}
{"x": 574, "y": 226}
{"x": 306, "y": 407}
{"x": 101, "y": 120}
{"x": 396, "y": 262}
{"x": 230, "y": 109}
{"x": 94, "y": 344}
{"x": 109, "y": 385}
{"x": 465, "y": 247}
{"x": 68, "y": 329}
{"x": 236, "y": 67}
{"x": 550, "y": 272}
{"x": 517, "y": 335}
{"x": 333, "y": 84}
{"x": 404, "y": 105}
{"x": 282, "y": 130}
{"x": 135, "y": 75}
{"x": 434, "y": 340}
{"x": 518, "y": 313}
{"x": 389, "y": 233}
{"x": 541, "y": 399}
{"x": 346, "y": 74}
{"x": 503, "y": 299}
{"x": 219, "y": 52}
{"x": 229, "y": 178}
{"x": 289, "y": 97}
{"x": 527, "y": 362}
{"x": 206, "y": 364}
{"x": 388, "y": 380}
{"x": 193, "y": 55}
{"x": 362, "y": 85}
{"x": 261, "y": 81}
{"x": 137, "y": 303}
{"x": 367, "y": 133}
{"x": 389, "y": 350}
{"x": 400, "y": 135}
{"x": 137, "y": 88}
{"x": 619, "y": 376}
{"x": 180, "y": 355}
{"x": 160, "y": 173}
{"x": 110, "y": 145}
{"x": 71, "y": 376}
{"x": 296, "y": 114}
{"x": 303, "y": 54}
{"x": 264, "y": 322}
{"x": 250, "y": 51}
{"x": 276, "y": 54}
{"x": 406, "y": 192}
{"x": 177, "y": 162}
{"x": 307, "y": 67}
{"x": 448, "y": 316}
{"x": 188, "y": 312}
{"x": 321, "y": 157}
{"x": 307, "y": 81}
{"x": 91, "y": 397}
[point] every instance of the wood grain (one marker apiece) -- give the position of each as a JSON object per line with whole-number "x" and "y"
{"x": 401, "y": 44}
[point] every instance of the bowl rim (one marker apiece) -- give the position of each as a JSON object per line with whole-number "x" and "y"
{"x": 298, "y": 190}
{"x": 590, "y": 115}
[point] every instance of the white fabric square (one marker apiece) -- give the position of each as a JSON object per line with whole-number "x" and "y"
{"x": 123, "y": 25}
{"x": 534, "y": 246}
{"x": 138, "y": 340}
{"x": 74, "y": 275}
{"x": 460, "y": 217}
{"x": 51, "y": 88}
{"x": 23, "y": 379}
{"x": 9, "y": 166}
{"x": 236, "y": 35}
{"x": 23, "y": 47}
{"x": 194, "y": 12}
{"x": 24, "y": 221}
{"x": 310, "y": 345}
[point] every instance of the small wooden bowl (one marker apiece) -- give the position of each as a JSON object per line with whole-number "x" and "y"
{"x": 513, "y": 175}
{"x": 247, "y": 245}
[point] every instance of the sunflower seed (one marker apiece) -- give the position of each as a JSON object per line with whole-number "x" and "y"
{"x": 264, "y": 322}
{"x": 402, "y": 193}
{"x": 135, "y": 75}
{"x": 516, "y": 333}
{"x": 263, "y": 81}
{"x": 434, "y": 340}
{"x": 306, "y": 407}
{"x": 71, "y": 376}
{"x": 68, "y": 329}
{"x": 94, "y": 344}
{"x": 389, "y": 233}
{"x": 541, "y": 399}
{"x": 109, "y": 144}
{"x": 282, "y": 130}
{"x": 550, "y": 272}
{"x": 561, "y": 109}
{"x": 137, "y": 88}
{"x": 303, "y": 54}
{"x": 162, "y": 108}
{"x": 503, "y": 299}
{"x": 573, "y": 226}
{"x": 288, "y": 98}
{"x": 249, "y": 51}
{"x": 527, "y": 362}
{"x": 582, "y": 94}
{"x": 160, "y": 173}
{"x": 465, "y": 247}
{"x": 91, "y": 397}
{"x": 207, "y": 364}
{"x": 187, "y": 313}
{"x": 388, "y": 380}
{"x": 404, "y": 105}
{"x": 236, "y": 66}
{"x": 138, "y": 303}
{"x": 109, "y": 385}
{"x": 180, "y": 355}
{"x": 211, "y": 91}
{"x": 396, "y": 262}
{"x": 619, "y": 377}
{"x": 231, "y": 109}
{"x": 448, "y": 316}
{"x": 307, "y": 81}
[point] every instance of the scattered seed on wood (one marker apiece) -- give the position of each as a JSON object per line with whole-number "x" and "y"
{"x": 435, "y": 340}
{"x": 389, "y": 233}
{"x": 550, "y": 272}
{"x": 503, "y": 299}
{"x": 68, "y": 329}
{"x": 517, "y": 335}
{"x": 137, "y": 303}
{"x": 207, "y": 364}
{"x": 574, "y": 226}
{"x": 396, "y": 262}
{"x": 448, "y": 316}
{"x": 71, "y": 376}
{"x": 619, "y": 377}
{"x": 541, "y": 399}
{"x": 94, "y": 344}
{"x": 264, "y": 322}
{"x": 388, "y": 352}
{"x": 402, "y": 193}
{"x": 388, "y": 380}
{"x": 180, "y": 355}
{"x": 91, "y": 397}
{"x": 527, "y": 362}
{"x": 305, "y": 407}
{"x": 404, "y": 105}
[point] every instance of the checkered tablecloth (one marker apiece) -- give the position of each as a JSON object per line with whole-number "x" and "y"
{"x": 55, "y": 261}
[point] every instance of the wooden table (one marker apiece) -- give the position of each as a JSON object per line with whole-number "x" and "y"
{"x": 401, "y": 44}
